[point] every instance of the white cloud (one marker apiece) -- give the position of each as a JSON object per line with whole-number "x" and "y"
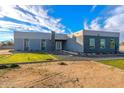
{"x": 86, "y": 25}
{"x": 93, "y": 8}
{"x": 36, "y": 15}
{"x": 17, "y": 27}
{"x": 95, "y": 25}
{"x": 4, "y": 30}
{"x": 114, "y": 21}
{"x": 5, "y": 36}
{"x": 117, "y": 10}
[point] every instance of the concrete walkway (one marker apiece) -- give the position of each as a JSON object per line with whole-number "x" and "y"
{"x": 95, "y": 58}
{"x": 73, "y": 56}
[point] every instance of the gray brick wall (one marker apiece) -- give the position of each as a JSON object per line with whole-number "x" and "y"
{"x": 97, "y": 44}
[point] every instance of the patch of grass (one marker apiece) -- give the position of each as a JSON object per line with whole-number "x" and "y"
{"x": 3, "y": 56}
{"x": 119, "y": 63}
{"x": 25, "y": 57}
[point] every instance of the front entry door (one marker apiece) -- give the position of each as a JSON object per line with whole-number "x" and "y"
{"x": 58, "y": 45}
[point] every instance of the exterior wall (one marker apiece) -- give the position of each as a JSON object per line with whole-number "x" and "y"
{"x": 18, "y": 44}
{"x": 97, "y": 49}
{"x": 75, "y": 42}
{"x": 38, "y": 35}
{"x": 100, "y": 35}
{"x": 35, "y": 40}
{"x": 34, "y": 44}
{"x": 48, "y": 45}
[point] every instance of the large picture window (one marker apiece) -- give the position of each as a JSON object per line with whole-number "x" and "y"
{"x": 112, "y": 43}
{"x": 92, "y": 43}
{"x": 102, "y": 43}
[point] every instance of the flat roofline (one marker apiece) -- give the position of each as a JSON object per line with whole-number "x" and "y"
{"x": 107, "y": 31}
{"x": 36, "y": 32}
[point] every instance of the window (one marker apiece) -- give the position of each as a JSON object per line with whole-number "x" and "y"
{"x": 43, "y": 44}
{"x": 58, "y": 45}
{"x": 92, "y": 43}
{"x": 102, "y": 43}
{"x": 26, "y": 44}
{"x": 112, "y": 43}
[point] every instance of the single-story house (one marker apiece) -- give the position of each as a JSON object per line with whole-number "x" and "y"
{"x": 84, "y": 41}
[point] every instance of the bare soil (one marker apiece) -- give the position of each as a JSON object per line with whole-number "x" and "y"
{"x": 5, "y": 51}
{"x": 74, "y": 74}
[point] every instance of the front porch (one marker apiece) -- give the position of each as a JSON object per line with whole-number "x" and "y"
{"x": 59, "y": 44}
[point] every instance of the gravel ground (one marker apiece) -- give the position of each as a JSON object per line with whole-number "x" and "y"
{"x": 75, "y": 74}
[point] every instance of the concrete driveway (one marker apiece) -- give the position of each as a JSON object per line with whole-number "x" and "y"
{"x": 95, "y": 58}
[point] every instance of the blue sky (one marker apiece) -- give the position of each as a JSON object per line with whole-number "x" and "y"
{"x": 60, "y": 18}
{"x": 73, "y": 17}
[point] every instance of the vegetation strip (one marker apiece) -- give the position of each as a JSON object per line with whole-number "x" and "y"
{"x": 119, "y": 63}
{"x": 19, "y": 58}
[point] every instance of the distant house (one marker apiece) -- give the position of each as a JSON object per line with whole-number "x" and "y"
{"x": 85, "y": 41}
{"x": 6, "y": 45}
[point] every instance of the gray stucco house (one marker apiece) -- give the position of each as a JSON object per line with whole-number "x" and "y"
{"x": 84, "y": 41}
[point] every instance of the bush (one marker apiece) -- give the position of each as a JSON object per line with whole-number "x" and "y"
{"x": 49, "y": 59}
{"x": 3, "y": 66}
{"x": 9, "y": 66}
{"x": 13, "y": 65}
{"x": 62, "y": 63}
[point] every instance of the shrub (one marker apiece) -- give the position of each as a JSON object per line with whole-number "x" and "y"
{"x": 49, "y": 59}
{"x": 62, "y": 63}
{"x": 3, "y": 66}
{"x": 13, "y": 65}
{"x": 8, "y": 66}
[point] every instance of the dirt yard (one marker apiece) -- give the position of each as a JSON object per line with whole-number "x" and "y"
{"x": 74, "y": 74}
{"x": 5, "y": 51}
